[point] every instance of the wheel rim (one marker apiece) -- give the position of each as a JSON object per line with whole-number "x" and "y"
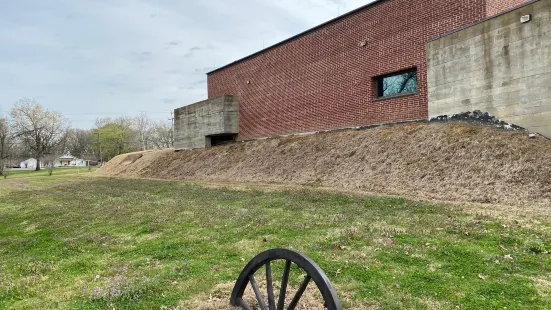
{"x": 313, "y": 274}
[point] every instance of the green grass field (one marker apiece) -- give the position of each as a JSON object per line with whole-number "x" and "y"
{"x": 17, "y": 174}
{"x": 81, "y": 242}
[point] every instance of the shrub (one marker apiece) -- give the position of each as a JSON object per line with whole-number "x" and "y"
{"x": 536, "y": 246}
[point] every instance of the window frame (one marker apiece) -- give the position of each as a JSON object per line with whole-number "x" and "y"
{"x": 379, "y": 83}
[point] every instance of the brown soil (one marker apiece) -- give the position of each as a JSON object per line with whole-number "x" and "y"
{"x": 219, "y": 299}
{"x": 443, "y": 161}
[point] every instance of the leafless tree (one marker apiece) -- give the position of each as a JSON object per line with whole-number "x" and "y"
{"x": 142, "y": 125}
{"x": 80, "y": 144}
{"x": 6, "y": 145}
{"x": 50, "y": 160}
{"x": 161, "y": 135}
{"x": 103, "y": 121}
{"x": 39, "y": 130}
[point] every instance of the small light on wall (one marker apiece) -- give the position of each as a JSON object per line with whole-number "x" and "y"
{"x": 525, "y": 18}
{"x": 363, "y": 43}
{"x": 248, "y": 81}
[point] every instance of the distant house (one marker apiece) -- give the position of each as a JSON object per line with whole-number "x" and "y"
{"x": 63, "y": 161}
{"x": 29, "y": 164}
{"x": 69, "y": 161}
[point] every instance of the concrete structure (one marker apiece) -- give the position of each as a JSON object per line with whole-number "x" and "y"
{"x": 210, "y": 122}
{"x": 366, "y": 67}
{"x": 501, "y": 66}
{"x": 327, "y": 77}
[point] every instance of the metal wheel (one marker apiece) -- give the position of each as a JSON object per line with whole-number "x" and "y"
{"x": 313, "y": 273}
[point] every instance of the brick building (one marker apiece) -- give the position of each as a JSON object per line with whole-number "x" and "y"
{"x": 366, "y": 67}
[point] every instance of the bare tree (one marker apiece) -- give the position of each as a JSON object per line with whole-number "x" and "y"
{"x": 103, "y": 121}
{"x": 80, "y": 144}
{"x": 142, "y": 125}
{"x": 40, "y": 130}
{"x": 50, "y": 161}
{"x": 161, "y": 135}
{"x": 6, "y": 145}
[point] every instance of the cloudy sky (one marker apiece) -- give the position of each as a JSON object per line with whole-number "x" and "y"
{"x": 99, "y": 58}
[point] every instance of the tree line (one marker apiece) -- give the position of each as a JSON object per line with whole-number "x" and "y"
{"x": 32, "y": 131}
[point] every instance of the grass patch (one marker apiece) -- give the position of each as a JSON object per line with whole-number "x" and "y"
{"x": 75, "y": 242}
{"x": 18, "y": 174}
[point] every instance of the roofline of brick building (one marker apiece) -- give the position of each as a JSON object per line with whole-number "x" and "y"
{"x": 484, "y": 20}
{"x": 300, "y": 35}
{"x": 347, "y": 15}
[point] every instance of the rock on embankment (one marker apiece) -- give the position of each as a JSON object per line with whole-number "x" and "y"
{"x": 445, "y": 161}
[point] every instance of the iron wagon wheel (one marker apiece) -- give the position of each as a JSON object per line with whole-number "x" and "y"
{"x": 313, "y": 273}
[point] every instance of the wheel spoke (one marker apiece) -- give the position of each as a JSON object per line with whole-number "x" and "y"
{"x": 283, "y": 290}
{"x": 299, "y": 293}
{"x": 243, "y": 304}
{"x": 256, "y": 289}
{"x": 270, "y": 287}
{"x": 313, "y": 273}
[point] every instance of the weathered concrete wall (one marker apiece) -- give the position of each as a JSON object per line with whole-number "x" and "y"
{"x": 499, "y": 66}
{"x": 193, "y": 124}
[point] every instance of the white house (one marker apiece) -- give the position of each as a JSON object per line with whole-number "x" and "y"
{"x": 29, "y": 163}
{"x": 69, "y": 161}
{"x": 63, "y": 161}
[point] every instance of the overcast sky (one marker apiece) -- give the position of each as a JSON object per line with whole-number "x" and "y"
{"x": 98, "y": 58}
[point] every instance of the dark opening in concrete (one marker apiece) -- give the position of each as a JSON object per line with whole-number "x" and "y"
{"x": 221, "y": 139}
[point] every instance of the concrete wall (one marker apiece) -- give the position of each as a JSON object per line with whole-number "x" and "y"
{"x": 326, "y": 78}
{"x": 194, "y": 124}
{"x": 499, "y": 66}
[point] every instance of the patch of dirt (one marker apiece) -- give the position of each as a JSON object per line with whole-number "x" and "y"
{"x": 543, "y": 286}
{"x": 219, "y": 298}
{"x": 131, "y": 158}
{"x": 440, "y": 161}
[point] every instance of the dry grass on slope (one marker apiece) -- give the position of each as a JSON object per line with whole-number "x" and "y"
{"x": 445, "y": 161}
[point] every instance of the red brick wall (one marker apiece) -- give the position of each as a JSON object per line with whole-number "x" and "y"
{"x": 325, "y": 80}
{"x": 494, "y": 7}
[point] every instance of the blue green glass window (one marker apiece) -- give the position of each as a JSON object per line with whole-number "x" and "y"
{"x": 404, "y": 82}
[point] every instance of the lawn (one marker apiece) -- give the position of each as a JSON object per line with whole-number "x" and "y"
{"x": 17, "y": 174}
{"x": 85, "y": 242}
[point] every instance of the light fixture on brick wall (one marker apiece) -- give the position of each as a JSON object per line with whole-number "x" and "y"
{"x": 525, "y": 18}
{"x": 363, "y": 43}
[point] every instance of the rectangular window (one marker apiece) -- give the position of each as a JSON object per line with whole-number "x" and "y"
{"x": 395, "y": 84}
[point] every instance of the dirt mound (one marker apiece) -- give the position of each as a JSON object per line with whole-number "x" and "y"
{"x": 445, "y": 161}
{"x": 131, "y": 158}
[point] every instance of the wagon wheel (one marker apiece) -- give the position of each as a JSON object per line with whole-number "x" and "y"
{"x": 313, "y": 273}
